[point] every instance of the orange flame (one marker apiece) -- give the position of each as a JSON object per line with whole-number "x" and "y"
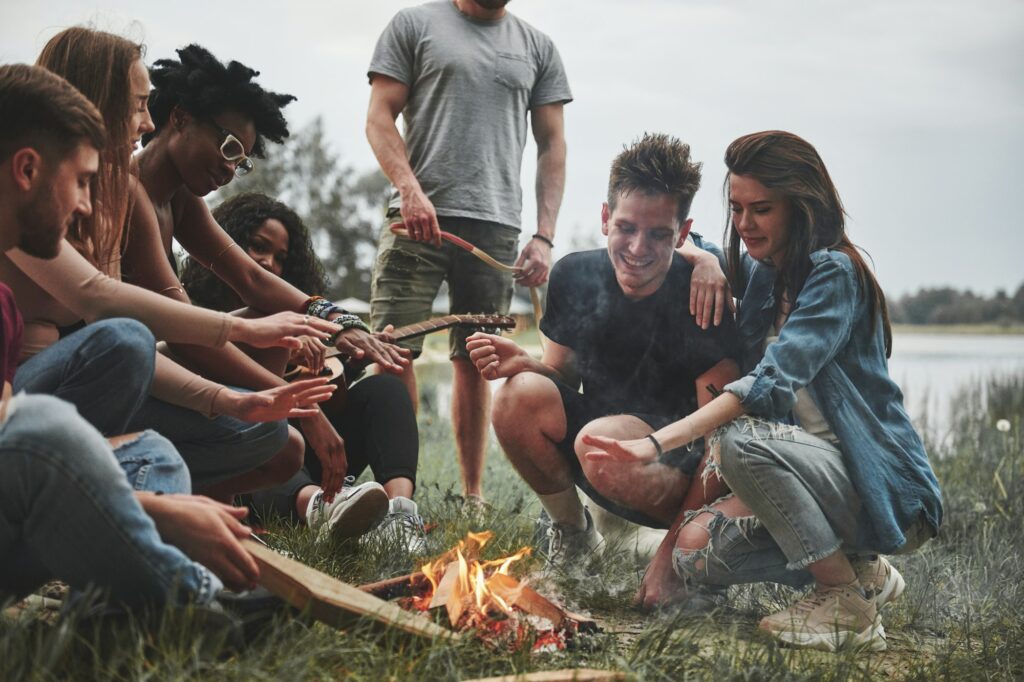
{"x": 477, "y": 588}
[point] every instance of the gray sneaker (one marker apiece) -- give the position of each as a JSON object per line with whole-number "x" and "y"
{"x": 403, "y": 527}
{"x": 354, "y": 511}
{"x": 565, "y": 545}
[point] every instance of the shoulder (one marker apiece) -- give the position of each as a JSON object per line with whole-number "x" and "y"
{"x": 829, "y": 265}
{"x": 580, "y": 265}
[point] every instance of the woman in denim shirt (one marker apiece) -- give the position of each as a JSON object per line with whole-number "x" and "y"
{"x": 822, "y": 500}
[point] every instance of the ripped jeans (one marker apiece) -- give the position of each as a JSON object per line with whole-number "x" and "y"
{"x": 804, "y": 507}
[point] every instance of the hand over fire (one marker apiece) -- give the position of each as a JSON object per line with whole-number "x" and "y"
{"x": 603, "y": 448}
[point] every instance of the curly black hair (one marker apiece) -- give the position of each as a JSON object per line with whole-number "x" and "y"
{"x": 241, "y": 216}
{"x": 201, "y": 85}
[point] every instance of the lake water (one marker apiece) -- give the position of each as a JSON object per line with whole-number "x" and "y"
{"x": 930, "y": 368}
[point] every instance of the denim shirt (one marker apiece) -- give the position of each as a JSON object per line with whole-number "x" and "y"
{"x": 827, "y": 345}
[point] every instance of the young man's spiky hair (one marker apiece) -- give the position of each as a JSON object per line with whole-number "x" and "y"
{"x": 655, "y": 164}
{"x": 204, "y": 87}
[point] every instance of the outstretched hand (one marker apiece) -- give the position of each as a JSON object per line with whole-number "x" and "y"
{"x": 602, "y": 448}
{"x": 290, "y": 401}
{"x": 208, "y": 532}
{"x": 281, "y": 329}
{"x": 496, "y": 357}
{"x": 362, "y": 345}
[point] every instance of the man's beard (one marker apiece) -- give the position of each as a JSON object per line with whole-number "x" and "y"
{"x": 491, "y": 4}
{"x": 41, "y": 228}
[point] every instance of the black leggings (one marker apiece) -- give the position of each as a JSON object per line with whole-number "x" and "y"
{"x": 379, "y": 429}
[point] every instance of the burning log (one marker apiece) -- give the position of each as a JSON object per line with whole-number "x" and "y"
{"x": 482, "y": 595}
{"x": 330, "y": 600}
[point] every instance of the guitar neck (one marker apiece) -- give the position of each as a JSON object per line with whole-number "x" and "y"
{"x": 411, "y": 331}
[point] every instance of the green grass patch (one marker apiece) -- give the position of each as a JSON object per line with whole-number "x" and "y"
{"x": 959, "y": 618}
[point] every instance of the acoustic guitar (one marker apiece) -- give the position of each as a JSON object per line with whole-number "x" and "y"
{"x": 344, "y": 370}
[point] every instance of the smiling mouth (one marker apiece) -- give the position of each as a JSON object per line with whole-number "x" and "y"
{"x": 633, "y": 262}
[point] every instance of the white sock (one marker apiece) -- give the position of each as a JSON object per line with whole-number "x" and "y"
{"x": 402, "y": 504}
{"x": 565, "y": 508}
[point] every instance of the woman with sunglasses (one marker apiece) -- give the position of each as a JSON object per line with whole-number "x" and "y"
{"x": 210, "y": 120}
{"x": 105, "y": 369}
{"x": 820, "y": 502}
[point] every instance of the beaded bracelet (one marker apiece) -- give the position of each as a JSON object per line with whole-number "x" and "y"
{"x": 346, "y": 321}
{"x": 543, "y": 239}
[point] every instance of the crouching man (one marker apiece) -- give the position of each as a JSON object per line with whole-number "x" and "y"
{"x": 618, "y": 324}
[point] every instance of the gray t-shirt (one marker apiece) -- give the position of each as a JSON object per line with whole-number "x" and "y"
{"x": 471, "y": 84}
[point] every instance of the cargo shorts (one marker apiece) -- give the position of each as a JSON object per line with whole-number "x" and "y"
{"x": 407, "y": 276}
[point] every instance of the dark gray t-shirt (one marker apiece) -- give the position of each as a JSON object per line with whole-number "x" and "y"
{"x": 471, "y": 85}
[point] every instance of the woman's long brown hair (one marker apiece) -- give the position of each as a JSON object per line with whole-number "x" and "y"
{"x": 99, "y": 64}
{"x": 789, "y": 164}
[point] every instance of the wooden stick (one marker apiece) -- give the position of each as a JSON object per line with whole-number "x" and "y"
{"x": 330, "y": 600}
{"x": 399, "y": 230}
{"x": 402, "y": 586}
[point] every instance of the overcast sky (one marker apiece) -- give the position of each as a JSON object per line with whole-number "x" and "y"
{"x": 917, "y": 106}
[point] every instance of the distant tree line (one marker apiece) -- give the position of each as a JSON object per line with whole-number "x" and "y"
{"x": 950, "y": 306}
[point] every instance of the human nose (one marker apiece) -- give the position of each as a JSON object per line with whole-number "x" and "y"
{"x": 146, "y": 125}
{"x": 84, "y": 207}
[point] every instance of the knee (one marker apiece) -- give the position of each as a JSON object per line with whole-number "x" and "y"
{"x": 692, "y": 546}
{"x": 386, "y": 392}
{"x": 288, "y": 460}
{"x": 130, "y": 342}
{"x": 520, "y": 400}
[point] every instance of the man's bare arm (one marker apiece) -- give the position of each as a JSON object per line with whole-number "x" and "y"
{"x": 387, "y": 99}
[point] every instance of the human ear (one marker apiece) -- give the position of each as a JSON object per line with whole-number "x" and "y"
{"x": 605, "y": 215}
{"x": 179, "y": 118}
{"x": 26, "y": 167}
{"x": 684, "y": 230}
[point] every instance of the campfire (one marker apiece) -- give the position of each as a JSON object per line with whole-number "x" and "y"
{"x": 483, "y": 597}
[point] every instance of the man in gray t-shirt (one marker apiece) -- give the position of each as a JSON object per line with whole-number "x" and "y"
{"x": 464, "y": 74}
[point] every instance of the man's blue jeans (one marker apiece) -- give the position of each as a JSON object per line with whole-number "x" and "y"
{"x": 68, "y": 512}
{"x": 105, "y": 370}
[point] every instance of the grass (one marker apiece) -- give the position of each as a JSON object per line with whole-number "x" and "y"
{"x": 959, "y": 618}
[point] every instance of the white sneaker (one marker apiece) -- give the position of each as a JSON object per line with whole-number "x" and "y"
{"x": 354, "y": 511}
{"x": 403, "y": 527}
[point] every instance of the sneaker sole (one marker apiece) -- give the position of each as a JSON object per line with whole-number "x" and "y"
{"x": 365, "y": 510}
{"x": 871, "y": 639}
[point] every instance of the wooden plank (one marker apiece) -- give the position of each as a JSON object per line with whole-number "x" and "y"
{"x": 567, "y": 675}
{"x": 330, "y": 600}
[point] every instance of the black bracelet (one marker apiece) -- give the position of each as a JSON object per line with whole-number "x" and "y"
{"x": 543, "y": 239}
{"x": 657, "y": 445}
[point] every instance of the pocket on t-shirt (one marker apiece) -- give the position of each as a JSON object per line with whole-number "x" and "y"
{"x": 513, "y": 70}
